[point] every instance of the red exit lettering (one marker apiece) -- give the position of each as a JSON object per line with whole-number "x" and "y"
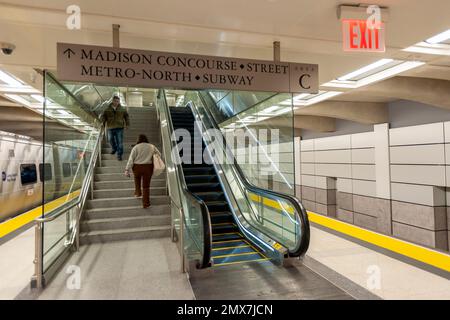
{"x": 357, "y": 36}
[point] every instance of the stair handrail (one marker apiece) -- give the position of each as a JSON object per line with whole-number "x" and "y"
{"x": 300, "y": 212}
{"x": 77, "y": 203}
{"x": 182, "y": 187}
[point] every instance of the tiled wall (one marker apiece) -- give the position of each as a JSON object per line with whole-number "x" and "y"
{"x": 393, "y": 181}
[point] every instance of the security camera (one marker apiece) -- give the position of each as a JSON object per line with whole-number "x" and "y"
{"x": 7, "y": 48}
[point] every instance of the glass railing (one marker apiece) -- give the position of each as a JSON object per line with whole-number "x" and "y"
{"x": 190, "y": 217}
{"x": 231, "y": 103}
{"x": 72, "y": 135}
{"x": 279, "y": 216}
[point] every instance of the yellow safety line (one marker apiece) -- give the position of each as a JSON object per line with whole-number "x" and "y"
{"x": 224, "y": 241}
{"x": 237, "y": 254}
{"x": 426, "y": 255}
{"x": 226, "y": 248}
{"x": 259, "y": 251}
{"x": 238, "y": 262}
{"x": 19, "y": 221}
{"x": 416, "y": 252}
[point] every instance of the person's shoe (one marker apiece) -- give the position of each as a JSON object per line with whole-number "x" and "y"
{"x": 113, "y": 152}
{"x": 136, "y": 196}
{"x": 119, "y": 158}
{"x": 146, "y": 207}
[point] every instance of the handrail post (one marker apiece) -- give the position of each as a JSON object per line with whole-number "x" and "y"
{"x": 183, "y": 267}
{"x": 38, "y": 256}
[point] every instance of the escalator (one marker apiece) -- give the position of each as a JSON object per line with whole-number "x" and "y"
{"x": 222, "y": 217}
{"x": 229, "y": 246}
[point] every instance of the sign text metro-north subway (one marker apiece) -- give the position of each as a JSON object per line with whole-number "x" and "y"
{"x": 118, "y": 66}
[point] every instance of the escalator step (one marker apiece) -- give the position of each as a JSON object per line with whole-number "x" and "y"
{"x": 232, "y": 250}
{"x": 226, "y": 236}
{"x": 239, "y": 258}
{"x": 228, "y": 243}
{"x": 223, "y": 227}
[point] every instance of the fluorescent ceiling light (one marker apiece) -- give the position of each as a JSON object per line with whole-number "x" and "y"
{"x": 383, "y": 74}
{"x": 18, "y": 99}
{"x": 321, "y": 97}
{"x": 38, "y": 98}
{"x": 441, "y": 37}
{"x": 10, "y": 80}
{"x": 270, "y": 109}
{"x": 426, "y": 48}
{"x": 365, "y": 69}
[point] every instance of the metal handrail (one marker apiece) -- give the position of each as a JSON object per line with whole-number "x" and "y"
{"x": 300, "y": 212}
{"x": 55, "y": 213}
{"x": 206, "y": 259}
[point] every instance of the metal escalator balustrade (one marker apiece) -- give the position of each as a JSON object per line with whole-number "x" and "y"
{"x": 191, "y": 225}
{"x": 275, "y": 218}
{"x": 229, "y": 246}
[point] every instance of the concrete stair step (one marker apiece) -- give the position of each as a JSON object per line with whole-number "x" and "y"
{"x": 120, "y": 177}
{"x": 124, "y": 193}
{"x": 124, "y": 234}
{"x": 108, "y": 156}
{"x": 122, "y": 212}
{"x": 106, "y": 224}
{"x": 126, "y": 184}
{"x": 112, "y": 169}
{"x": 124, "y": 202}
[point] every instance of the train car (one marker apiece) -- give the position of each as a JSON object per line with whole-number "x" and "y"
{"x": 31, "y": 172}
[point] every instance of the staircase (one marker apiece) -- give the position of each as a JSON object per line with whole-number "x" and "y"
{"x": 229, "y": 245}
{"x": 115, "y": 214}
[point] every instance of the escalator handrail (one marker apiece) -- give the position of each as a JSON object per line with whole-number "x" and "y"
{"x": 206, "y": 220}
{"x": 300, "y": 212}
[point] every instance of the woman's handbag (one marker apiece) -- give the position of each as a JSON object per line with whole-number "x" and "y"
{"x": 158, "y": 165}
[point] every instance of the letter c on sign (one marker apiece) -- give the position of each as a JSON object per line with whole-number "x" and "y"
{"x": 301, "y": 79}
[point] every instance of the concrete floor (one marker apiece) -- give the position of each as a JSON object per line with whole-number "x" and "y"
{"x": 16, "y": 264}
{"x": 136, "y": 269}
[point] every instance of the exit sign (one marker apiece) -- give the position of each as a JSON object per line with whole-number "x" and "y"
{"x": 358, "y": 36}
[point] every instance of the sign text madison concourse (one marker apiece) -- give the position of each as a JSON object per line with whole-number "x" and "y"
{"x": 151, "y": 69}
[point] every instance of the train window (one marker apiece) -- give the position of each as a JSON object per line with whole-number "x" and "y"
{"x": 28, "y": 174}
{"x": 66, "y": 170}
{"x": 45, "y": 171}
{"x": 74, "y": 168}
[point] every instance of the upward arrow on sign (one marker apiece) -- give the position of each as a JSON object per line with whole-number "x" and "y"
{"x": 69, "y": 52}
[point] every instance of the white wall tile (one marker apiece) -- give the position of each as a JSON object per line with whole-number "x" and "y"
{"x": 447, "y": 131}
{"x": 364, "y": 188}
{"x": 334, "y": 170}
{"x": 422, "y": 154}
{"x": 363, "y": 172}
{"x": 429, "y": 175}
{"x": 344, "y": 185}
{"x": 307, "y": 156}
{"x": 364, "y": 156}
{"x": 325, "y": 182}
{"x": 363, "y": 140}
{"x": 309, "y": 181}
{"x": 333, "y": 156}
{"x": 420, "y": 194}
{"x": 382, "y": 169}
{"x": 308, "y": 168}
{"x": 422, "y": 134}
{"x": 332, "y": 143}
{"x": 307, "y": 145}
{"x": 447, "y": 153}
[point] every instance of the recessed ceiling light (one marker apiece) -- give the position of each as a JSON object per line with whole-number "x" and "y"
{"x": 441, "y": 37}
{"x": 10, "y": 80}
{"x": 365, "y": 69}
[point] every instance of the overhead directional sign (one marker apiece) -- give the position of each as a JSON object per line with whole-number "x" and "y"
{"x": 138, "y": 68}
